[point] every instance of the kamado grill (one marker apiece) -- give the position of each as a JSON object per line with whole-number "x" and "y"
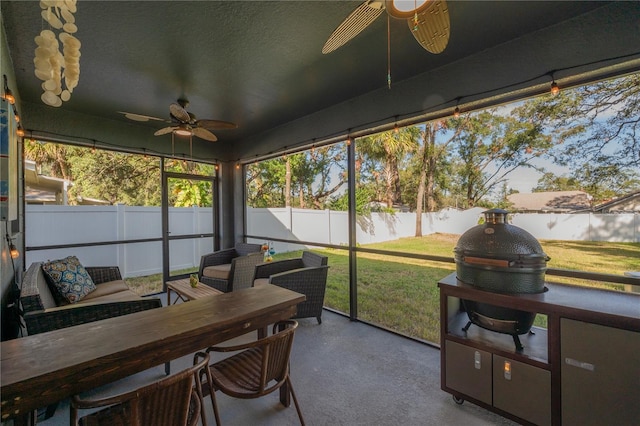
{"x": 500, "y": 258}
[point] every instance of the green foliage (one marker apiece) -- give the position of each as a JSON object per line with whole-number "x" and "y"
{"x": 363, "y": 201}
{"x": 306, "y": 179}
{"x": 595, "y": 130}
{"x": 119, "y": 178}
{"x": 115, "y": 177}
{"x": 382, "y": 156}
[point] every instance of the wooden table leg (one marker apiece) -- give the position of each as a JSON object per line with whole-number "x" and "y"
{"x": 27, "y": 419}
{"x": 263, "y": 332}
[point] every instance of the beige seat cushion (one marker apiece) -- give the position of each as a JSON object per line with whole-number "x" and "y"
{"x": 107, "y": 288}
{"x": 120, "y": 296}
{"x": 220, "y": 272}
{"x": 260, "y": 281}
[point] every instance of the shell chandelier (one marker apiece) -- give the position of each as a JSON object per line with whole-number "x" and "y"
{"x": 59, "y": 71}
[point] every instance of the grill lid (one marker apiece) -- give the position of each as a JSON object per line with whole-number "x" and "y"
{"x": 498, "y": 240}
{"x": 500, "y": 257}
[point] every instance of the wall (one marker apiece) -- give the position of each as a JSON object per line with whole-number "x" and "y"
{"x": 15, "y": 228}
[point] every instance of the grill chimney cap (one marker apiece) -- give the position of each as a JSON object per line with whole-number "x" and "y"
{"x": 495, "y": 216}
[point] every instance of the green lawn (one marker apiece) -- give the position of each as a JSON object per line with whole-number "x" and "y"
{"x": 402, "y": 293}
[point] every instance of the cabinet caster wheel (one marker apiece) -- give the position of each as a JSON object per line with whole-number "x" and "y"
{"x": 457, "y": 400}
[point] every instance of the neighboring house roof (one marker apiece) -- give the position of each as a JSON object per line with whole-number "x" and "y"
{"x": 40, "y": 189}
{"x": 626, "y": 203}
{"x": 552, "y": 201}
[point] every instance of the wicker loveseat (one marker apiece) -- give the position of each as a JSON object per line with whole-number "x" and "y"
{"x": 111, "y": 298}
{"x": 306, "y": 275}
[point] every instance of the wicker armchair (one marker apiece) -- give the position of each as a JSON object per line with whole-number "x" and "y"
{"x": 306, "y": 275}
{"x": 42, "y": 313}
{"x": 230, "y": 269}
{"x": 171, "y": 401}
{"x": 260, "y": 368}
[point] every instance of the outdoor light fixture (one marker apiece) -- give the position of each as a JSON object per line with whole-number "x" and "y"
{"x": 20, "y": 131}
{"x": 554, "y": 88}
{"x": 13, "y": 251}
{"x": 7, "y": 95}
{"x": 456, "y": 113}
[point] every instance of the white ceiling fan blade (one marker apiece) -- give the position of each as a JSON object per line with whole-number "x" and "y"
{"x": 139, "y": 117}
{"x": 353, "y": 25}
{"x": 164, "y": 131}
{"x": 216, "y": 124}
{"x": 204, "y": 134}
{"x": 434, "y": 27}
{"x": 179, "y": 113}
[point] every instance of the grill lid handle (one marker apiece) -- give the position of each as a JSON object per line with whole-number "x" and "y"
{"x": 486, "y": 262}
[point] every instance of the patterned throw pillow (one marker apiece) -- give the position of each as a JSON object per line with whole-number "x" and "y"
{"x": 70, "y": 278}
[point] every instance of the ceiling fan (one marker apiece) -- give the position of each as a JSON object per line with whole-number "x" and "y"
{"x": 428, "y": 21}
{"x": 184, "y": 123}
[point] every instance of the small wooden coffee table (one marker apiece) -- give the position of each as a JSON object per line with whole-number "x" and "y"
{"x": 185, "y": 292}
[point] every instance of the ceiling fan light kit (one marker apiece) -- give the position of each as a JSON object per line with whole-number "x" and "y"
{"x": 183, "y": 130}
{"x": 428, "y": 21}
{"x": 403, "y": 9}
{"x": 185, "y": 123}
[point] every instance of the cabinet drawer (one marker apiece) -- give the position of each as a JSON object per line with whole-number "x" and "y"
{"x": 522, "y": 390}
{"x": 600, "y": 374}
{"x": 468, "y": 371}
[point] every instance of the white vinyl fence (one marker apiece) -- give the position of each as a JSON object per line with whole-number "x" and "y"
{"x": 331, "y": 227}
{"x": 59, "y": 225}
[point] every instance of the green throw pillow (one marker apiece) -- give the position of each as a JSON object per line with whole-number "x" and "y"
{"x": 70, "y": 278}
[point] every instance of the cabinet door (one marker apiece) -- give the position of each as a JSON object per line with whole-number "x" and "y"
{"x": 522, "y": 390}
{"x": 468, "y": 371}
{"x": 600, "y": 374}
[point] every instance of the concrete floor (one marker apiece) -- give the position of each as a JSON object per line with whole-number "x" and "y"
{"x": 344, "y": 373}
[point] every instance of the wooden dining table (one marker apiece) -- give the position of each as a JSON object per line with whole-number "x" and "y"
{"x": 45, "y": 368}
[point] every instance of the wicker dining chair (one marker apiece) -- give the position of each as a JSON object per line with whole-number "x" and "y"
{"x": 171, "y": 401}
{"x": 261, "y": 368}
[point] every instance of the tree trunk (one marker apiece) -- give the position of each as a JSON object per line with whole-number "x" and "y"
{"x": 301, "y": 195}
{"x": 287, "y": 184}
{"x": 419, "y": 200}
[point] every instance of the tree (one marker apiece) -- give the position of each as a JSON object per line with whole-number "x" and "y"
{"x": 53, "y": 157}
{"x": 309, "y": 178}
{"x": 595, "y": 128}
{"x": 389, "y": 148}
{"x": 491, "y": 146}
{"x": 116, "y": 177}
{"x": 551, "y": 182}
{"x": 599, "y": 182}
{"x": 119, "y": 178}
